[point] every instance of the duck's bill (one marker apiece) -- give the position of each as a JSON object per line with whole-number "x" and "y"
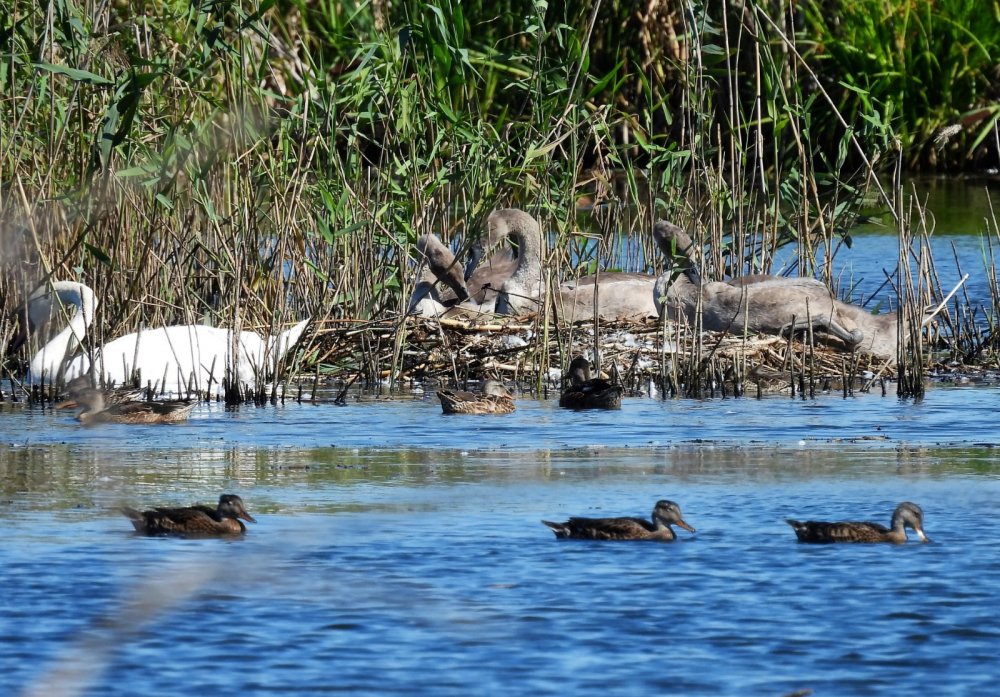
{"x": 246, "y": 516}
{"x": 684, "y": 525}
{"x": 922, "y": 536}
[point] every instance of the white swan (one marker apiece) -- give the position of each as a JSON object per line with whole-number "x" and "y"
{"x": 175, "y": 359}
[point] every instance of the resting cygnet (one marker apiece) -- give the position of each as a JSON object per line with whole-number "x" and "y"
{"x": 768, "y": 306}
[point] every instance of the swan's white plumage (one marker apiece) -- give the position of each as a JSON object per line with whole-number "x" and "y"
{"x": 174, "y": 359}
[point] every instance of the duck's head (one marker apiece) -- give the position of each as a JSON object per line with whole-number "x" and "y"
{"x": 231, "y": 506}
{"x": 669, "y": 513}
{"x": 910, "y": 515}
{"x": 579, "y": 370}
{"x": 90, "y": 398}
{"x": 495, "y": 388}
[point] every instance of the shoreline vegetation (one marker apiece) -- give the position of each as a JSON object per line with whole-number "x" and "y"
{"x": 249, "y": 165}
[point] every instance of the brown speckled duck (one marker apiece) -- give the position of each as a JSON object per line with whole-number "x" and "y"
{"x": 193, "y": 520}
{"x": 495, "y": 399}
{"x": 117, "y": 395}
{"x": 906, "y": 515}
{"x": 665, "y": 514}
{"x": 96, "y": 411}
{"x": 587, "y": 393}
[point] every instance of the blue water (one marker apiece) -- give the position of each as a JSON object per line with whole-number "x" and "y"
{"x": 399, "y": 551}
{"x": 410, "y": 557}
{"x": 953, "y": 414}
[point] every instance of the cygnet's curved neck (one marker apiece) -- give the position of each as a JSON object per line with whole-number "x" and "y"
{"x": 677, "y": 248}
{"x": 522, "y": 290}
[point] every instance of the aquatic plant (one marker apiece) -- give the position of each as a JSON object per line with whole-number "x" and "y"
{"x": 247, "y": 165}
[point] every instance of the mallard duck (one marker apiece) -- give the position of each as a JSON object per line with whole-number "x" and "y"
{"x": 95, "y": 411}
{"x": 494, "y": 399}
{"x": 906, "y": 515}
{"x": 665, "y": 514}
{"x": 116, "y": 395}
{"x": 587, "y": 393}
{"x": 193, "y": 520}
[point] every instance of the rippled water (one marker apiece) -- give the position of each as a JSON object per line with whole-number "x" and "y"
{"x": 400, "y": 551}
{"x": 379, "y": 568}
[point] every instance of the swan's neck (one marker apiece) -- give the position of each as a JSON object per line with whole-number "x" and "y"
{"x": 521, "y": 292}
{"x": 52, "y": 357}
{"x": 278, "y": 346}
{"x": 529, "y": 266}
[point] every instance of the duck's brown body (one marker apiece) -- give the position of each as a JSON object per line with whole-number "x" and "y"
{"x": 96, "y": 410}
{"x": 665, "y": 514}
{"x": 115, "y": 395}
{"x": 587, "y": 393}
{"x": 192, "y": 520}
{"x": 495, "y": 399}
{"x": 906, "y": 515}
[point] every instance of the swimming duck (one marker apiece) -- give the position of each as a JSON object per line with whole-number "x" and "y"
{"x": 494, "y": 399}
{"x": 906, "y": 515}
{"x": 116, "y": 395}
{"x": 587, "y": 393}
{"x": 665, "y": 514}
{"x": 95, "y": 411}
{"x": 193, "y": 520}
{"x": 180, "y": 356}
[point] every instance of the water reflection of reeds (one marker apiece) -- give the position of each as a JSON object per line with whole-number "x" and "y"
{"x": 67, "y": 481}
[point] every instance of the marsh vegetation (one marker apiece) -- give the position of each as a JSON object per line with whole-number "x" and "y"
{"x": 248, "y": 165}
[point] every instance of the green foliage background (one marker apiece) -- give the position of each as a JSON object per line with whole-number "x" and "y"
{"x": 248, "y": 162}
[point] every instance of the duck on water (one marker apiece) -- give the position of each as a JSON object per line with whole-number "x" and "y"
{"x": 665, "y": 514}
{"x": 224, "y": 519}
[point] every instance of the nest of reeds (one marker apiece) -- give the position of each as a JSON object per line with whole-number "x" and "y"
{"x": 644, "y": 356}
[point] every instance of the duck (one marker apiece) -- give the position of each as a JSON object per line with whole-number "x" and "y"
{"x": 494, "y": 399}
{"x": 906, "y": 515}
{"x": 665, "y": 514}
{"x": 585, "y": 392}
{"x": 114, "y": 395}
{"x": 96, "y": 411}
{"x": 193, "y": 520}
{"x": 176, "y": 359}
{"x": 765, "y": 304}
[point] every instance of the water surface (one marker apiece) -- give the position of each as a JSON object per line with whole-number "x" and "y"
{"x": 383, "y": 568}
{"x": 399, "y": 551}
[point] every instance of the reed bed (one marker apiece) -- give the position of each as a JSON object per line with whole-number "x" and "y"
{"x": 246, "y": 167}
{"x": 455, "y": 352}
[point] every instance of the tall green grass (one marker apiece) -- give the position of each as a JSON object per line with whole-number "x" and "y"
{"x": 930, "y": 66}
{"x": 252, "y": 163}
